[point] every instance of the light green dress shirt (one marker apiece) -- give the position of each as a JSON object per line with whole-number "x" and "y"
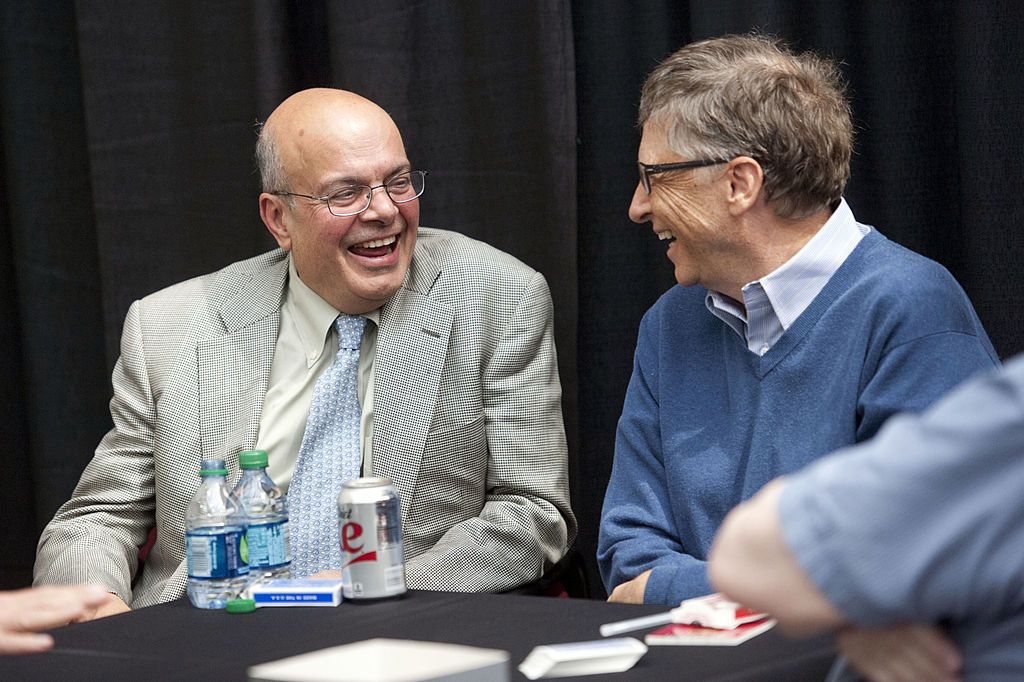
{"x": 306, "y": 346}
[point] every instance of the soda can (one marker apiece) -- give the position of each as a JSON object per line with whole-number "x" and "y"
{"x": 371, "y": 539}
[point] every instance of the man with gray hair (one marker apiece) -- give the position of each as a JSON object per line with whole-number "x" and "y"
{"x": 795, "y": 329}
{"x": 364, "y": 345}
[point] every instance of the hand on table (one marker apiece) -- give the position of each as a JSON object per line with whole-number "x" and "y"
{"x": 900, "y": 653}
{"x": 23, "y": 613}
{"x": 631, "y": 591}
{"x": 111, "y": 606}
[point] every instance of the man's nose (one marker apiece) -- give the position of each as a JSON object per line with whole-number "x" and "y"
{"x": 640, "y": 206}
{"x": 381, "y": 206}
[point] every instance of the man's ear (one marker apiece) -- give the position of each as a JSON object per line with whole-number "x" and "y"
{"x": 746, "y": 180}
{"x": 272, "y": 211}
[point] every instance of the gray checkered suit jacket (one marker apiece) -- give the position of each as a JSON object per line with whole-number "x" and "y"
{"x": 467, "y": 423}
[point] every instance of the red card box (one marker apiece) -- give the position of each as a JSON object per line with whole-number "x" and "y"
{"x": 680, "y": 634}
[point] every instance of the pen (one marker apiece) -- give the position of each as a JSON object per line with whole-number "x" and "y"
{"x": 618, "y": 627}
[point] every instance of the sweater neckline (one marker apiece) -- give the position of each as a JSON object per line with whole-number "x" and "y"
{"x": 840, "y": 281}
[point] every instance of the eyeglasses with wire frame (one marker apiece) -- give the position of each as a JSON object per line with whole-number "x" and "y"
{"x": 646, "y": 170}
{"x": 354, "y": 199}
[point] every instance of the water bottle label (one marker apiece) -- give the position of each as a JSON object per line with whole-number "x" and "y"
{"x": 286, "y": 542}
{"x": 217, "y": 555}
{"x": 269, "y": 545}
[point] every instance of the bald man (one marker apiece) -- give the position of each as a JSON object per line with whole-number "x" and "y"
{"x": 459, "y": 397}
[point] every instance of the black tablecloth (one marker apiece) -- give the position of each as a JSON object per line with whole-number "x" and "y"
{"x": 177, "y": 642}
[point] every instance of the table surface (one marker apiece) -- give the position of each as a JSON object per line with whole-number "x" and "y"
{"x": 177, "y": 642}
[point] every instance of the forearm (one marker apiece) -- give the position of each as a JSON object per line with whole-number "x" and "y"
{"x": 639, "y": 530}
{"x": 524, "y": 523}
{"x": 674, "y": 574}
{"x": 750, "y": 563}
{"x": 81, "y": 551}
{"x": 512, "y": 542}
{"x": 94, "y": 537}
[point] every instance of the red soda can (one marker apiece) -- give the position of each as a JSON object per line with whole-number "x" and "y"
{"x": 371, "y": 539}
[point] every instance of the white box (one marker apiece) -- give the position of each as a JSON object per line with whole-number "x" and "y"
{"x": 388, "y": 660}
{"x": 297, "y": 592}
{"x": 599, "y": 656}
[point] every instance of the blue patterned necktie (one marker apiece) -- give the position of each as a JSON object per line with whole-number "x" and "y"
{"x": 330, "y": 454}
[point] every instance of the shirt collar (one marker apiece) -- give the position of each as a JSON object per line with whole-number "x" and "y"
{"x": 314, "y": 317}
{"x": 791, "y": 287}
{"x": 772, "y": 303}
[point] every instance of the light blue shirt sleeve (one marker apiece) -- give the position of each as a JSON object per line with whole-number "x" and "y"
{"x": 926, "y": 521}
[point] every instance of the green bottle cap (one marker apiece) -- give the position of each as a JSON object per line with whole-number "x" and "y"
{"x": 212, "y": 467}
{"x": 252, "y": 459}
{"x": 241, "y": 606}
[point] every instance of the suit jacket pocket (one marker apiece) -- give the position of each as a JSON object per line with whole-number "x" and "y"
{"x": 453, "y": 475}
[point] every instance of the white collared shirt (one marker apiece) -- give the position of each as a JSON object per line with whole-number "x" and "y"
{"x": 306, "y": 346}
{"x": 776, "y": 300}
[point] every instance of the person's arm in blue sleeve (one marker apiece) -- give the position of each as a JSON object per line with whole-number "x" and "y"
{"x": 919, "y": 525}
{"x": 638, "y": 527}
{"x": 931, "y": 349}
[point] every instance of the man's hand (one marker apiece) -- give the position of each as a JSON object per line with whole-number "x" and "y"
{"x": 110, "y": 606}
{"x": 902, "y": 652}
{"x": 631, "y": 591}
{"x": 23, "y": 613}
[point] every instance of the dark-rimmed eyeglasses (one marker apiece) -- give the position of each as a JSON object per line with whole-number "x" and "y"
{"x": 646, "y": 171}
{"x": 354, "y": 199}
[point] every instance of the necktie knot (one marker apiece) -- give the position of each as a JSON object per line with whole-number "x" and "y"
{"x": 350, "y": 331}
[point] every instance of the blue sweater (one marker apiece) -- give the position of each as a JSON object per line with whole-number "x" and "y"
{"x": 706, "y": 422}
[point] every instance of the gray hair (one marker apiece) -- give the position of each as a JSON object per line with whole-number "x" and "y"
{"x": 751, "y": 95}
{"x": 272, "y": 175}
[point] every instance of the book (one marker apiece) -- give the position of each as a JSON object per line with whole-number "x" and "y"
{"x": 682, "y": 634}
{"x": 709, "y": 611}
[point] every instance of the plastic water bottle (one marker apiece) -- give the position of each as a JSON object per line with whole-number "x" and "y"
{"x": 215, "y": 541}
{"x": 266, "y": 512}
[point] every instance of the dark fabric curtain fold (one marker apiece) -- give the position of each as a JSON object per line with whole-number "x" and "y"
{"x": 55, "y": 381}
{"x": 126, "y": 135}
{"x": 623, "y": 268}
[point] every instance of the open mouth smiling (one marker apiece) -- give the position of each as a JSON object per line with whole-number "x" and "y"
{"x": 375, "y": 248}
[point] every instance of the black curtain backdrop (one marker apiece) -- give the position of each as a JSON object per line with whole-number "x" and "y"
{"x": 126, "y": 134}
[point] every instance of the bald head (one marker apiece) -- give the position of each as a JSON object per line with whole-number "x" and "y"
{"x": 319, "y": 149}
{"x": 301, "y": 126}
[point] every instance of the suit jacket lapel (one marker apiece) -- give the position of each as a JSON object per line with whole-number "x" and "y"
{"x": 411, "y": 347}
{"x": 234, "y": 369}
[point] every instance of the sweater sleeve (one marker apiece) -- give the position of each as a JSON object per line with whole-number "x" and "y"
{"x": 638, "y": 529}
{"x": 912, "y": 375}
